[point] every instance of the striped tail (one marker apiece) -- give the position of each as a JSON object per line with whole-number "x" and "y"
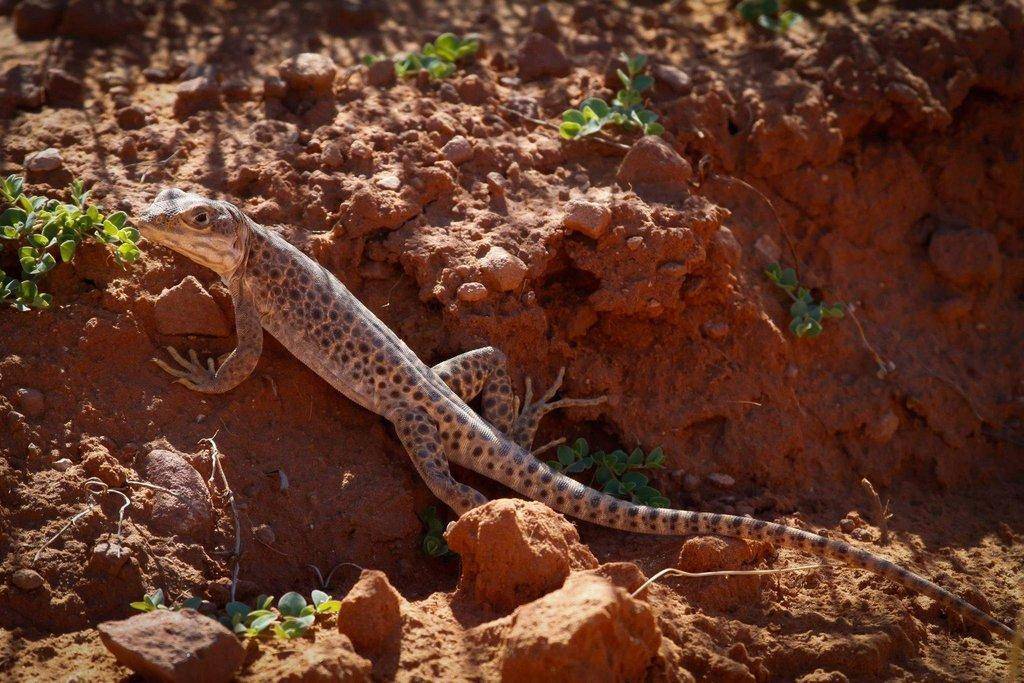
{"x": 534, "y": 479}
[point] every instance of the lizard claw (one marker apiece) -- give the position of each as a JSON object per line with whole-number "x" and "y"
{"x": 546, "y": 405}
{"x": 193, "y": 373}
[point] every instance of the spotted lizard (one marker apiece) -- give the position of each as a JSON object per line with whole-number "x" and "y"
{"x": 276, "y": 287}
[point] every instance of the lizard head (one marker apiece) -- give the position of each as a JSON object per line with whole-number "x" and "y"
{"x": 210, "y": 232}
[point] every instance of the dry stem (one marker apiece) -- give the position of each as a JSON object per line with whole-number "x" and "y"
{"x": 216, "y": 469}
{"x": 671, "y": 571}
{"x": 879, "y": 512}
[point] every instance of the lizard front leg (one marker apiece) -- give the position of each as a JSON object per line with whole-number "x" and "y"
{"x": 419, "y": 435}
{"x": 238, "y": 364}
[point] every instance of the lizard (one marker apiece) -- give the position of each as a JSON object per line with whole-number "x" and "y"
{"x": 276, "y": 287}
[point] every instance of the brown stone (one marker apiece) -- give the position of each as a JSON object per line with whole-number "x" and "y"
{"x": 176, "y": 647}
{"x": 371, "y": 613}
{"x": 187, "y": 308}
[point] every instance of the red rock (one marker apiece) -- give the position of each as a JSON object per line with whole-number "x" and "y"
{"x": 514, "y": 551}
{"x": 63, "y": 89}
{"x": 472, "y": 90}
{"x": 176, "y": 647}
{"x": 587, "y": 217}
{"x": 371, "y": 613}
{"x": 22, "y": 86}
{"x": 966, "y": 258}
{"x": 187, "y": 308}
{"x": 539, "y": 57}
{"x": 651, "y": 163}
{"x": 589, "y": 630}
{"x": 458, "y": 150}
{"x": 381, "y": 74}
{"x": 188, "y": 512}
{"x": 542, "y": 20}
{"x": 131, "y": 118}
{"x": 501, "y": 271}
{"x": 37, "y": 18}
{"x": 308, "y": 72}
{"x": 105, "y": 21}
{"x": 195, "y": 95}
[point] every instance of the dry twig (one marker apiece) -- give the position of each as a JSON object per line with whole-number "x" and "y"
{"x": 216, "y": 469}
{"x": 879, "y": 512}
{"x": 671, "y": 571}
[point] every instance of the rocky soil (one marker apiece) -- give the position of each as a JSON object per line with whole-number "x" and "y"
{"x": 880, "y": 149}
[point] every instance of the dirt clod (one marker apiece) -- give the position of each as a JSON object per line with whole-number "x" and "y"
{"x": 308, "y": 73}
{"x": 501, "y": 271}
{"x": 589, "y": 630}
{"x": 966, "y": 257}
{"x": 539, "y": 57}
{"x": 187, "y": 308}
{"x": 652, "y": 165}
{"x": 515, "y": 551}
{"x": 27, "y": 579}
{"x": 30, "y": 401}
{"x": 174, "y": 646}
{"x": 371, "y": 612}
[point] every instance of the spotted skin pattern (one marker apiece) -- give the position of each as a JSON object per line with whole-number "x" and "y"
{"x": 278, "y": 288}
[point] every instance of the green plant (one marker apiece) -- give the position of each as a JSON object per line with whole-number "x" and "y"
{"x": 768, "y": 14}
{"x": 44, "y": 227}
{"x": 616, "y": 473}
{"x": 807, "y": 313}
{"x": 437, "y": 58}
{"x": 433, "y": 544}
{"x": 155, "y": 601}
{"x": 291, "y": 619}
{"x": 626, "y": 109}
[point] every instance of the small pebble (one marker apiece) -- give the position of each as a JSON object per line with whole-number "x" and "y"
{"x": 472, "y": 291}
{"x": 62, "y": 465}
{"x": 48, "y": 159}
{"x": 458, "y": 150}
{"x": 27, "y": 579}
{"x": 388, "y": 181}
{"x": 265, "y": 534}
{"x": 767, "y": 250}
{"x": 634, "y": 243}
{"x": 587, "y": 217}
{"x": 722, "y": 480}
{"x": 30, "y": 401}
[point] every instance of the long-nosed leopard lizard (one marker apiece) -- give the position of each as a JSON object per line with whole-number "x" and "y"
{"x": 276, "y": 287}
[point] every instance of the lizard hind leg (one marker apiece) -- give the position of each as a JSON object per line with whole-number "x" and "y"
{"x": 525, "y": 427}
{"x": 421, "y": 440}
{"x": 482, "y": 372}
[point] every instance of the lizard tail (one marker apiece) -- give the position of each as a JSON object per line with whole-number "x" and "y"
{"x": 537, "y": 481}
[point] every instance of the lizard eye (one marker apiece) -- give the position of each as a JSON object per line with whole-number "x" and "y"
{"x": 201, "y": 218}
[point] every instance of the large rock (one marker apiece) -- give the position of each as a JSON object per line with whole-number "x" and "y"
{"x": 196, "y": 94}
{"x": 309, "y": 72}
{"x": 587, "y": 217}
{"x": 652, "y": 165}
{"x": 371, "y": 613}
{"x": 966, "y": 258}
{"x": 539, "y": 57}
{"x": 187, "y": 308}
{"x": 188, "y": 512}
{"x": 514, "y": 551}
{"x": 589, "y": 630}
{"x": 177, "y": 647}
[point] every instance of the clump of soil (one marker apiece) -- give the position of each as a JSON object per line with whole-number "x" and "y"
{"x": 877, "y": 150}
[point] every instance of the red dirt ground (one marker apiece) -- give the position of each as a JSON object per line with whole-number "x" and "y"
{"x": 889, "y": 141}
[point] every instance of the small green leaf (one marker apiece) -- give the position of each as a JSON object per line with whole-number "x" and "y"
{"x": 261, "y": 622}
{"x": 117, "y": 218}
{"x": 67, "y": 250}
{"x": 195, "y": 602}
{"x": 566, "y": 456}
{"x": 635, "y": 478}
{"x": 329, "y": 607}
{"x": 142, "y": 606}
{"x": 290, "y": 604}
{"x": 636, "y": 458}
{"x": 569, "y": 130}
{"x": 239, "y": 609}
{"x": 318, "y": 597}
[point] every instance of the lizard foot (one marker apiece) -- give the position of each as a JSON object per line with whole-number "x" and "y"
{"x": 194, "y": 375}
{"x": 546, "y": 405}
{"x": 526, "y": 421}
